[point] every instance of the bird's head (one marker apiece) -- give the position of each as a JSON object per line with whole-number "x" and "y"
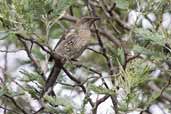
{"x": 86, "y": 21}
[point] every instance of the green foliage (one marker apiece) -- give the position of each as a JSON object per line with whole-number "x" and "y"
{"x": 152, "y": 98}
{"x": 85, "y": 101}
{"x": 60, "y": 101}
{"x": 32, "y": 76}
{"x": 39, "y": 20}
{"x": 101, "y": 90}
{"x": 152, "y": 37}
{"x": 2, "y": 91}
{"x": 135, "y": 75}
{"x": 28, "y": 14}
{"x": 143, "y": 50}
{"x": 122, "y": 4}
{"x": 61, "y": 6}
{"x": 150, "y": 44}
{"x": 121, "y": 55}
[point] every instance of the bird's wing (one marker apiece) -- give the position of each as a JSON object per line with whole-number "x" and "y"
{"x": 62, "y": 38}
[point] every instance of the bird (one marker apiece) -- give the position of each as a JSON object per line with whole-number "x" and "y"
{"x": 70, "y": 46}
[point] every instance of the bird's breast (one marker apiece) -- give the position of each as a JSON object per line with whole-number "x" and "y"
{"x": 74, "y": 44}
{"x": 84, "y": 34}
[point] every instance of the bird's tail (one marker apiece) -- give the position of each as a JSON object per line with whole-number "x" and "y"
{"x": 51, "y": 80}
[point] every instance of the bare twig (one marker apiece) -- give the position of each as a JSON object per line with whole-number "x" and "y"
{"x": 111, "y": 14}
{"x": 164, "y": 95}
{"x": 94, "y": 51}
{"x": 78, "y": 82}
{"x": 166, "y": 86}
{"x": 98, "y": 102}
{"x": 94, "y": 71}
{"x": 49, "y": 50}
{"x": 69, "y": 18}
{"x": 130, "y": 59}
{"x": 38, "y": 68}
{"x": 104, "y": 53}
{"x": 108, "y": 35}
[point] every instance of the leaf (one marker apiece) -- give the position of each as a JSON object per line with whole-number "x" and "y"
{"x": 146, "y": 35}
{"x": 101, "y": 90}
{"x": 142, "y": 50}
{"x": 138, "y": 76}
{"x": 55, "y": 33}
{"x": 122, "y": 4}
{"x": 153, "y": 97}
{"x": 32, "y": 76}
{"x": 85, "y": 101}
{"x": 121, "y": 55}
{"x": 31, "y": 91}
{"x": 135, "y": 75}
{"x": 65, "y": 102}
{"x": 57, "y": 100}
{"x": 2, "y": 92}
{"x": 61, "y": 6}
{"x": 52, "y": 110}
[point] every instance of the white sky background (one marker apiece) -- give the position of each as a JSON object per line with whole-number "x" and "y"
{"x": 106, "y": 107}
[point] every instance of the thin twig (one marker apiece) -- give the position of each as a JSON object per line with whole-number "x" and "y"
{"x": 94, "y": 71}
{"x": 38, "y": 68}
{"x": 166, "y": 86}
{"x": 49, "y": 50}
{"x": 94, "y": 51}
{"x": 104, "y": 52}
{"x": 78, "y": 82}
{"x": 98, "y": 102}
{"x": 16, "y": 104}
{"x": 164, "y": 95}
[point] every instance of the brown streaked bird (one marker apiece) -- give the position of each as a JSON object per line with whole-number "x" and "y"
{"x": 71, "y": 46}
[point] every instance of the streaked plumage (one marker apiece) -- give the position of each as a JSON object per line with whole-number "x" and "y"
{"x": 71, "y": 46}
